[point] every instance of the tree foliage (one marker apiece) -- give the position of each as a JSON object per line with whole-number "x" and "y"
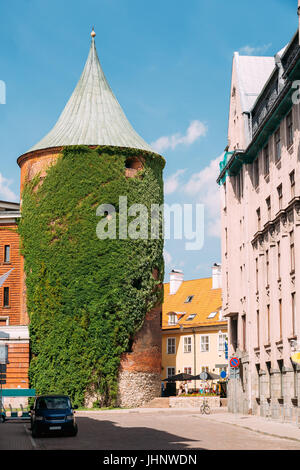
{"x": 86, "y": 297}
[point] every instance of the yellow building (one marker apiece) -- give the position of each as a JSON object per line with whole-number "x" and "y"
{"x": 193, "y": 328}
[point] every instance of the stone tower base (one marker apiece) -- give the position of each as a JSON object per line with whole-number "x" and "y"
{"x": 138, "y": 388}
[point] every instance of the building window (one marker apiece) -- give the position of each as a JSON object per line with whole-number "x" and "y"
{"x": 204, "y": 369}
{"x": 187, "y": 370}
{"x": 268, "y": 325}
{"x": 268, "y": 364}
{"x": 7, "y": 254}
{"x": 292, "y": 251}
{"x": 277, "y": 146}
{"x": 170, "y": 371}
{"x": 256, "y": 273}
{"x": 204, "y": 343}
{"x": 234, "y": 332}
{"x": 266, "y": 160}
{"x": 279, "y": 191}
{"x": 256, "y": 173}
{"x": 289, "y": 129}
{"x": 280, "y": 318}
{"x": 258, "y": 219}
{"x": 172, "y": 319}
{"x": 4, "y": 321}
{"x": 292, "y": 181}
{"x": 257, "y": 328}
{"x": 187, "y": 344}
{"x": 280, "y": 365}
{"x": 244, "y": 326}
{"x": 268, "y": 202}
{"x": 267, "y": 267}
{"x": 188, "y": 299}
{"x": 295, "y": 380}
{"x": 191, "y": 317}
{"x": 278, "y": 261}
{"x": 258, "y": 380}
{"x": 221, "y": 342}
{"x": 6, "y": 297}
{"x": 171, "y": 345}
{"x": 293, "y": 313}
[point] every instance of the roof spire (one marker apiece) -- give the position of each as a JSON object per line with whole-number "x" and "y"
{"x": 92, "y": 115}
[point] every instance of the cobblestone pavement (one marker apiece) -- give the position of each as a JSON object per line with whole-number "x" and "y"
{"x": 147, "y": 430}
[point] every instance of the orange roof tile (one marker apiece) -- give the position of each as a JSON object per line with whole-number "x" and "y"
{"x": 205, "y": 301}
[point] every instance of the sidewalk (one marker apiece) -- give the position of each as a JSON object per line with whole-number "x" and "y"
{"x": 258, "y": 424}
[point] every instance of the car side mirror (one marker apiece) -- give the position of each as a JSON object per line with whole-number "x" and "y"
{"x": 31, "y": 408}
{"x": 75, "y": 407}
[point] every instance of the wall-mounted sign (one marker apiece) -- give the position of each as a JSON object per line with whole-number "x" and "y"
{"x": 234, "y": 362}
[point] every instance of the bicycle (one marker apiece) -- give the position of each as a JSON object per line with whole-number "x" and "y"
{"x": 204, "y": 407}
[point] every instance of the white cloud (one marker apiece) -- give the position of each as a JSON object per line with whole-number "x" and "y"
{"x": 204, "y": 188}
{"x": 249, "y": 50}
{"x": 168, "y": 258}
{"x": 172, "y": 183}
{"x": 195, "y": 130}
{"x": 5, "y": 192}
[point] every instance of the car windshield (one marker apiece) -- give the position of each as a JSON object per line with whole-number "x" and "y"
{"x": 53, "y": 403}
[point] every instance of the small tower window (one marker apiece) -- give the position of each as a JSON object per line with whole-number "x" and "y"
{"x": 132, "y": 166}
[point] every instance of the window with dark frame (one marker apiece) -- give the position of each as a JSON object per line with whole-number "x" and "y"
{"x": 266, "y": 160}
{"x": 292, "y": 251}
{"x": 268, "y": 202}
{"x": 267, "y": 267}
{"x": 244, "y": 332}
{"x": 7, "y": 254}
{"x": 256, "y": 173}
{"x": 277, "y": 146}
{"x": 280, "y": 318}
{"x": 292, "y": 181}
{"x": 256, "y": 273}
{"x": 257, "y": 328}
{"x": 6, "y": 297}
{"x": 279, "y": 191}
{"x": 268, "y": 325}
{"x": 258, "y": 219}
{"x": 278, "y": 260}
{"x": 293, "y": 313}
{"x": 289, "y": 130}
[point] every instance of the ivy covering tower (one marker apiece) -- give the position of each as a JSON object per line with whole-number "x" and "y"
{"x": 94, "y": 304}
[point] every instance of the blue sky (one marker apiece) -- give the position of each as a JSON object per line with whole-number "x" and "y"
{"x": 169, "y": 64}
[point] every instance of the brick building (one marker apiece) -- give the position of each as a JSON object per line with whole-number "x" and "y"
{"x": 13, "y": 323}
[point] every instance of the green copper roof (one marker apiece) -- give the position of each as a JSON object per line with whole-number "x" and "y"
{"x": 92, "y": 115}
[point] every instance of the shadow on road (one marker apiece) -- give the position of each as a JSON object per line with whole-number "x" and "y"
{"x": 106, "y": 435}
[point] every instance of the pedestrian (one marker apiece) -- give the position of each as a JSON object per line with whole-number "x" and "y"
{"x": 186, "y": 388}
{"x": 180, "y": 391}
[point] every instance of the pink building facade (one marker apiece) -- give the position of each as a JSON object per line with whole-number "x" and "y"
{"x": 260, "y": 187}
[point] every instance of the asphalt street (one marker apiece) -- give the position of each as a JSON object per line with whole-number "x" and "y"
{"x": 132, "y": 430}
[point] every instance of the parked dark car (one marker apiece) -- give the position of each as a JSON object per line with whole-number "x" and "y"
{"x": 53, "y": 413}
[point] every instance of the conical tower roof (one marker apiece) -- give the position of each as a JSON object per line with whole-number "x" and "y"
{"x": 92, "y": 115}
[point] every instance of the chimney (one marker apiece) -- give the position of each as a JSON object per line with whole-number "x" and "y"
{"x": 176, "y": 279}
{"x": 216, "y": 276}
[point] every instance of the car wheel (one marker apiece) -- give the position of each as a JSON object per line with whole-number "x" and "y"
{"x": 34, "y": 432}
{"x": 74, "y": 432}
